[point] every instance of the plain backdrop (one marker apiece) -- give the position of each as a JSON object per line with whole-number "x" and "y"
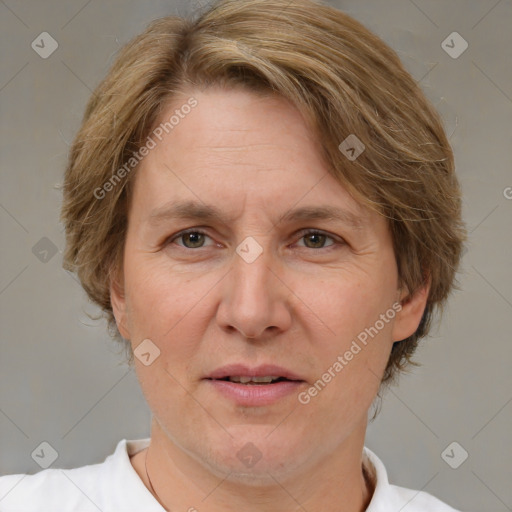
{"x": 62, "y": 378}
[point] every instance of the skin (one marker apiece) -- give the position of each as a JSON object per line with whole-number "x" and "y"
{"x": 299, "y": 305}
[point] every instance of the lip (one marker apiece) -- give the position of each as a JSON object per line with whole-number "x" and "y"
{"x": 254, "y": 395}
{"x": 263, "y": 370}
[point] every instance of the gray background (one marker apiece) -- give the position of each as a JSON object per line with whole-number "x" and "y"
{"x": 61, "y": 376}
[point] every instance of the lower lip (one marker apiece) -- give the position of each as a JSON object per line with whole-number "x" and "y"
{"x": 251, "y": 395}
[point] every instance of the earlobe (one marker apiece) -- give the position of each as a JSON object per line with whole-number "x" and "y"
{"x": 118, "y": 302}
{"x": 409, "y": 317}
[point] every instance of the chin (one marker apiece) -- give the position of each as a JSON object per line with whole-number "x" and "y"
{"x": 257, "y": 459}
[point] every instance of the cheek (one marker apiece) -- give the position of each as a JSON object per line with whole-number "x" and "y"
{"x": 345, "y": 304}
{"x": 349, "y": 326}
{"x": 151, "y": 290}
{"x": 166, "y": 306}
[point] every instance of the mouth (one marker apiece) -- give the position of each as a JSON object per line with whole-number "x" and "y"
{"x": 263, "y": 374}
{"x": 253, "y": 387}
{"x": 255, "y": 381}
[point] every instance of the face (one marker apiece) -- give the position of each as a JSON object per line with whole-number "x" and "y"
{"x": 230, "y": 259}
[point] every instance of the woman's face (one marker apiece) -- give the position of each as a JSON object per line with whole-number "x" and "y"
{"x": 262, "y": 276}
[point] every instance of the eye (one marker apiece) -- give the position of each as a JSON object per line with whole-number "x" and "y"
{"x": 196, "y": 239}
{"x": 192, "y": 239}
{"x": 315, "y": 239}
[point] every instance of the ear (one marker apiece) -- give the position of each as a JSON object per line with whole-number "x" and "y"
{"x": 409, "y": 317}
{"x": 118, "y": 302}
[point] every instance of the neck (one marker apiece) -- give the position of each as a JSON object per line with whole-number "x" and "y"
{"x": 179, "y": 481}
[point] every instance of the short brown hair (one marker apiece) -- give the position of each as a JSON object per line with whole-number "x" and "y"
{"x": 343, "y": 79}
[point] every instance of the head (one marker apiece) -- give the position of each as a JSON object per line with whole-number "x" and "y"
{"x": 253, "y": 111}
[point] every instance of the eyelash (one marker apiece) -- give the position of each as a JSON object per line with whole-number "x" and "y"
{"x": 302, "y": 234}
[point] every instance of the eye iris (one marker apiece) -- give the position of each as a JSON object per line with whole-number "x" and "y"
{"x": 318, "y": 240}
{"x": 193, "y": 239}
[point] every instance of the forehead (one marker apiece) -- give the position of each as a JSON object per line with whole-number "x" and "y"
{"x": 237, "y": 147}
{"x": 237, "y": 122}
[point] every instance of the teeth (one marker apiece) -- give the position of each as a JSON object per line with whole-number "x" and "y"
{"x": 257, "y": 380}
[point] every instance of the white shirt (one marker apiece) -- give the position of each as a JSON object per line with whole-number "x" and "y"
{"x": 114, "y": 486}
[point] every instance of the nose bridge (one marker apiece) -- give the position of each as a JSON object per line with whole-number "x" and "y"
{"x": 253, "y": 299}
{"x": 252, "y": 273}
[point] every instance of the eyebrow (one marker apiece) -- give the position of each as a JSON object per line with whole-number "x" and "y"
{"x": 199, "y": 211}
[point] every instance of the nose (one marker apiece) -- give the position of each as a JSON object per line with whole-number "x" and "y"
{"x": 255, "y": 299}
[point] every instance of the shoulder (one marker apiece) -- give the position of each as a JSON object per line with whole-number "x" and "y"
{"x": 49, "y": 488}
{"x": 105, "y": 486}
{"x": 391, "y": 498}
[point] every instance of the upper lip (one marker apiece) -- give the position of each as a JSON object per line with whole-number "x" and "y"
{"x": 241, "y": 370}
